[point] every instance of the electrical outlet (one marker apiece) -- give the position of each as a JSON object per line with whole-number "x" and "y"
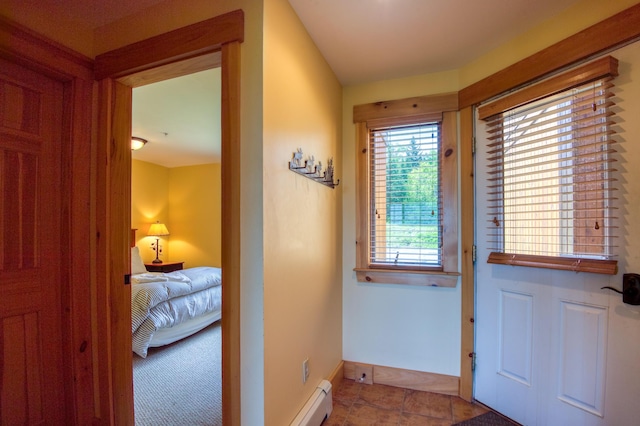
{"x": 305, "y": 370}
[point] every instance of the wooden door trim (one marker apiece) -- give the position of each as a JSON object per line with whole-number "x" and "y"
{"x": 187, "y": 42}
{"x": 467, "y": 230}
{"x": 32, "y": 50}
{"x": 150, "y": 59}
{"x": 113, "y": 220}
{"x": 35, "y": 51}
{"x": 231, "y": 233}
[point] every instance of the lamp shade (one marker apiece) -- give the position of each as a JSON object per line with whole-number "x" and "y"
{"x": 158, "y": 230}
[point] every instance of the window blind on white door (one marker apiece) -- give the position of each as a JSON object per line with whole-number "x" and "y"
{"x": 552, "y": 175}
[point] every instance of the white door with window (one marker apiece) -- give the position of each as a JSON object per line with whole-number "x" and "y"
{"x": 542, "y": 332}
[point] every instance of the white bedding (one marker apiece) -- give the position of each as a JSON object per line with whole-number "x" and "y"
{"x": 161, "y": 300}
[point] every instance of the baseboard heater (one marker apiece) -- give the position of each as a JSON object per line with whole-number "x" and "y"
{"x": 317, "y": 408}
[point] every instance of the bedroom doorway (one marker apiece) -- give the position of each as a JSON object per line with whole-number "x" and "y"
{"x": 117, "y": 72}
{"x": 175, "y": 179}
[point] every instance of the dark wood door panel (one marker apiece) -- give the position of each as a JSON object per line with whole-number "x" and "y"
{"x": 31, "y": 368}
{"x": 23, "y": 360}
{"x": 19, "y": 184}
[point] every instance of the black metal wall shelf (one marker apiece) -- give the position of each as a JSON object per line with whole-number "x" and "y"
{"x": 310, "y": 170}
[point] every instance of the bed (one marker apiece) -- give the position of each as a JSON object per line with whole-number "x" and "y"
{"x": 167, "y": 307}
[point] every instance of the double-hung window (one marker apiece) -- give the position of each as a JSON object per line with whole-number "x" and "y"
{"x": 551, "y": 176}
{"x": 406, "y": 194}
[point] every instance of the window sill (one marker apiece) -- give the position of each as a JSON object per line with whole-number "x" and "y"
{"x": 596, "y": 266}
{"x": 421, "y": 278}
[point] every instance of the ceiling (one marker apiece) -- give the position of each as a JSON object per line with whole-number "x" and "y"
{"x": 180, "y": 119}
{"x": 372, "y": 40}
{"x": 362, "y": 41}
{"x": 90, "y": 13}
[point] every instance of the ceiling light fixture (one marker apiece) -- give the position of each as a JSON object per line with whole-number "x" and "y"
{"x": 137, "y": 143}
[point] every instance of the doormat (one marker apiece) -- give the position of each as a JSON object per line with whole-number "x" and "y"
{"x": 487, "y": 419}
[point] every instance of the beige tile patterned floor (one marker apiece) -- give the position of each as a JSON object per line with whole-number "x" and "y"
{"x": 356, "y": 404}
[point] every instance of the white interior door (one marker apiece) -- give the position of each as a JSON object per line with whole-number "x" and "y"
{"x": 541, "y": 335}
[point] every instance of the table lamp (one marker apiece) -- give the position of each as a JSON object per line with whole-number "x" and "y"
{"x": 158, "y": 230}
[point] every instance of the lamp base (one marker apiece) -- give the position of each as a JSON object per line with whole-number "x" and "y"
{"x": 156, "y": 261}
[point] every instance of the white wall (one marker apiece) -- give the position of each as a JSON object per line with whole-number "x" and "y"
{"x": 409, "y": 327}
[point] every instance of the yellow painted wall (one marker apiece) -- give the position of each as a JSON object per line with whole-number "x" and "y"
{"x": 195, "y": 212}
{"x": 302, "y": 285}
{"x": 149, "y": 203}
{"x": 187, "y": 200}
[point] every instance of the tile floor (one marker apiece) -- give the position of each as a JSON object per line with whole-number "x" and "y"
{"x": 356, "y": 404}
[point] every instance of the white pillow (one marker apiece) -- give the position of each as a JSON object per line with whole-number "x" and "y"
{"x": 137, "y": 266}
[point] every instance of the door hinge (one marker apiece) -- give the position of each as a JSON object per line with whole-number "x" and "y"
{"x": 474, "y": 253}
{"x": 127, "y": 279}
{"x": 473, "y": 146}
{"x": 472, "y": 355}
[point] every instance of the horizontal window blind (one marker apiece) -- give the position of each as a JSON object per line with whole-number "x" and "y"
{"x": 551, "y": 184}
{"x": 405, "y": 209}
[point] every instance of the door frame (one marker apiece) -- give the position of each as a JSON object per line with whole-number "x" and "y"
{"x": 193, "y": 48}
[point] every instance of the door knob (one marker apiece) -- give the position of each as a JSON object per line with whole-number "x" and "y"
{"x": 630, "y": 289}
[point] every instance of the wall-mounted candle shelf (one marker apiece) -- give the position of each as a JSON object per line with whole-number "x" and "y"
{"x": 309, "y": 169}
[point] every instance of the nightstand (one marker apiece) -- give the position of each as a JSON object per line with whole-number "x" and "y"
{"x": 164, "y": 267}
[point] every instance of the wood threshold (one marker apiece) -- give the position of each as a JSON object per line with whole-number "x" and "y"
{"x": 608, "y": 34}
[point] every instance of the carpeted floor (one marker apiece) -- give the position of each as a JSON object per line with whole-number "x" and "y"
{"x": 180, "y": 384}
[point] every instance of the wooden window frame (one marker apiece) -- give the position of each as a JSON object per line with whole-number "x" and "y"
{"x": 442, "y": 108}
{"x": 598, "y": 69}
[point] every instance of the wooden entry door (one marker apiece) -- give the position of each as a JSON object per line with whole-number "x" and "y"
{"x": 31, "y": 362}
